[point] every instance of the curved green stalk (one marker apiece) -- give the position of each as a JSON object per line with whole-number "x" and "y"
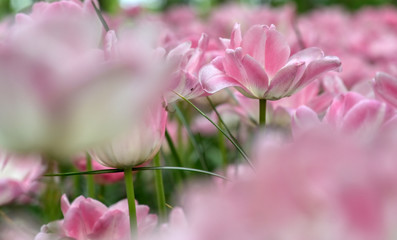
{"x": 129, "y": 186}
{"x": 158, "y": 176}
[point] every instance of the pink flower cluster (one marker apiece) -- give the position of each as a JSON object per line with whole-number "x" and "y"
{"x": 324, "y": 160}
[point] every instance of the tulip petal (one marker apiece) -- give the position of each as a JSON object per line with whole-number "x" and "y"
{"x": 213, "y": 80}
{"x": 385, "y": 87}
{"x": 340, "y": 106}
{"x": 280, "y": 84}
{"x": 112, "y": 225}
{"x": 257, "y": 79}
{"x": 235, "y": 39}
{"x": 254, "y": 43}
{"x": 277, "y": 51}
{"x": 303, "y": 119}
{"x": 317, "y": 67}
{"x": 367, "y": 116}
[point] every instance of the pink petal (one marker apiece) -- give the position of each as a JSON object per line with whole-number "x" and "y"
{"x": 340, "y": 106}
{"x": 307, "y": 55}
{"x": 91, "y": 210}
{"x": 254, "y": 43}
{"x": 257, "y": 80}
{"x": 281, "y": 83}
{"x": 233, "y": 66}
{"x": 235, "y": 39}
{"x": 74, "y": 225}
{"x": 385, "y": 87}
{"x": 65, "y": 204}
{"x": 303, "y": 119}
{"x": 367, "y": 116}
{"x": 277, "y": 51}
{"x": 317, "y": 67}
{"x": 213, "y": 80}
{"x": 112, "y": 225}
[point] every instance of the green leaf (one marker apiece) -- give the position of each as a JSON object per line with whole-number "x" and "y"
{"x": 241, "y": 151}
{"x": 115, "y": 170}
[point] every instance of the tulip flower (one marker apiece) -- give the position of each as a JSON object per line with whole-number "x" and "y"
{"x": 385, "y": 88}
{"x": 138, "y": 145}
{"x": 188, "y": 62}
{"x": 59, "y": 94}
{"x": 19, "y": 177}
{"x": 87, "y": 218}
{"x": 259, "y": 65}
{"x": 350, "y": 113}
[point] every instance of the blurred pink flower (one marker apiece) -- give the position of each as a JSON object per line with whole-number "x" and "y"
{"x": 259, "y": 65}
{"x": 137, "y": 145}
{"x": 87, "y": 218}
{"x": 322, "y": 186}
{"x": 59, "y": 92}
{"x": 19, "y": 175}
{"x": 350, "y": 113}
{"x": 188, "y": 62}
{"x": 385, "y": 88}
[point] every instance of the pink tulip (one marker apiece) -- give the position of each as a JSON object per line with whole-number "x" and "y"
{"x": 87, "y": 218}
{"x": 385, "y": 88}
{"x": 59, "y": 92}
{"x": 259, "y": 65}
{"x": 188, "y": 62}
{"x": 324, "y": 185}
{"x": 19, "y": 177}
{"x": 350, "y": 112}
{"x": 137, "y": 145}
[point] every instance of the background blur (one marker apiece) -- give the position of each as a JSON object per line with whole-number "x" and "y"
{"x": 13, "y": 6}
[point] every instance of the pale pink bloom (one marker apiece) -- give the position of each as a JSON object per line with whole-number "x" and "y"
{"x": 385, "y": 88}
{"x": 59, "y": 94}
{"x": 188, "y": 61}
{"x": 350, "y": 112}
{"x": 106, "y": 178}
{"x": 323, "y": 186}
{"x": 19, "y": 177}
{"x": 87, "y": 218}
{"x": 259, "y": 65}
{"x": 139, "y": 144}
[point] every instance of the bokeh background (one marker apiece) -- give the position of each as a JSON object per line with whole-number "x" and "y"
{"x": 13, "y": 6}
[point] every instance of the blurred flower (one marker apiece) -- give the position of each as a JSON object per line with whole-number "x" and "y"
{"x": 87, "y": 218}
{"x": 59, "y": 92}
{"x": 259, "y": 65}
{"x": 385, "y": 88}
{"x": 350, "y": 113}
{"x": 137, "y": 145}
{"x": 188, "y": 62}
{"x": 19, "y": 175}
{"x": 322, "y": 186}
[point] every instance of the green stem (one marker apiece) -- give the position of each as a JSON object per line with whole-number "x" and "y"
{"x": 129, "y": 185}
{"x": 90, "y": 178}
{"x": 262, "y": 112}
{"x": 52, "y": 195}
{"x": 158, "y": 177}
{"x": 173, "y": 151}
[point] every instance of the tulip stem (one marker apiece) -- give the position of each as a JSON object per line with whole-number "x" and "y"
{"x": 158, "y": 176}
{"x": 129, "y": 185}
{"x": 90, "y": 178}
{"x": 262, "y": 112}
